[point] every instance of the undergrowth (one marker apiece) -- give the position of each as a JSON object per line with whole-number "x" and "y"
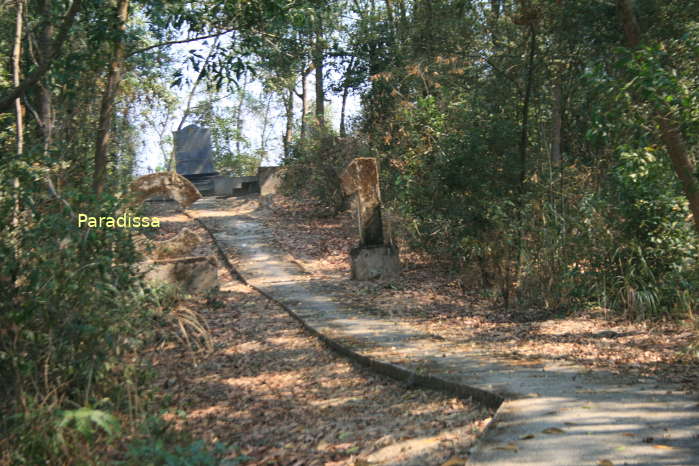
{"x": 75, "y": 323}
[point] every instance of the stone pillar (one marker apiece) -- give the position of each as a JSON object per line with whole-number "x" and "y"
{"x": 373, "y": 258}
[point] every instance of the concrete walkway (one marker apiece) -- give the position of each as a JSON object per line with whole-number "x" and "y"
{"x": 548, "y": 413}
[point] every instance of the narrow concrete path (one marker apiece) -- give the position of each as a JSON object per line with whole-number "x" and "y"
{"x": 548, "y": 413}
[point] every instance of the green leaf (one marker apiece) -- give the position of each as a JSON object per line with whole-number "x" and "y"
{"x": 85, "y": 419}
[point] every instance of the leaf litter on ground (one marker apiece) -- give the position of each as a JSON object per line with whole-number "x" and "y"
{"x": 283, "y": 398}
{"x": 434, "y": 299}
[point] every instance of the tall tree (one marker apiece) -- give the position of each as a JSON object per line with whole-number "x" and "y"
{"x": 318, "y": 59}
{"x": 16, "y": 75}
{"x": 109, "y": 95}
{"x": 670, "y": 130}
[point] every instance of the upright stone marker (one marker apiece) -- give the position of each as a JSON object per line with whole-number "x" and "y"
{"x": 193, "y": 157}
{"x": 193, "y": 151}
{"x": 372, "y": 258}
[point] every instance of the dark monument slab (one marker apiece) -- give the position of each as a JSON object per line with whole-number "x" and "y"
{"x": 193, "y": 151}
{"x": 193, "y": 157}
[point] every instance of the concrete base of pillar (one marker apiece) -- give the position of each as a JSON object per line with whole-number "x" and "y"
{"x": 375, "y": 262}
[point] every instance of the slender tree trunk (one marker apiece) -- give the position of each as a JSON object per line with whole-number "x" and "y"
{"x": 7, "y": 100}
{"x": 523, "y": 162}
{"x": 172, "y": 164}
{"x": 19, "y": 117}
{"x": 345, "y": 93}
{"x": 239, "y": 117}
{"x": 401, "y": 21}
{"x": 318, "y": 55}
{"x": 391, "y": 16}
{"x": 670, "y": 131}
{"x": 684, "y": 168}
{"x": 495, "y": 8}
{"x": 632, "y": 32}
{"x": 524, "y": 135}
{"x": 16, "y": 75}
{"x": 556, "y": 123}
{"x": 44, "y": 107}
{"x": 265, "y": 126}
{"x": 304, "y": 103}
{"x": 104, "y": 128}
{"x": 288, "y": 134}
{"x": 343, "y": 129}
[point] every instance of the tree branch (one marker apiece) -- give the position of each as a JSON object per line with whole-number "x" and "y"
{"x": 180, "y": 41}
{"x": 7, "y": 101}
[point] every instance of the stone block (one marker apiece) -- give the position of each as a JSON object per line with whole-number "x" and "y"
{"x": 246, "y": 185}
{"x": 361, "y": 179}
{"x": 224, "y": 185}
{"x": 375, "y": 262}
{"x": 270, "y": 180}
{"x": 191, "y": 274}
{"x": 167, "y": 184}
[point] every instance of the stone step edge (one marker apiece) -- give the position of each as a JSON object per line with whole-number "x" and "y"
{"x": 490, "y": 400}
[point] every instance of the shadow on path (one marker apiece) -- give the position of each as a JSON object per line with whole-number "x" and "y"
{"x": 549, "y": 412}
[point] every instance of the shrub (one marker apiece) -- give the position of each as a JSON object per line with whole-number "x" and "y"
{"x": 314, "y": 166}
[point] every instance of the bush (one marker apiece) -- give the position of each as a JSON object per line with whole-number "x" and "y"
{"x": 314, "y": 167}
{"x": 611, "y": 232}
{"x": 74, "y": 318}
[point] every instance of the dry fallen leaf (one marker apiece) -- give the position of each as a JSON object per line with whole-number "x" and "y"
{"x": 527, "y": 437}
{"x": 605, "y": 463}
{"x": 455, "y": 461}
{"x": 361, "y": 462}
{"x": 553, "y": 430}
{"x": 663, "y": 447}
{"x": 508, "y": 447}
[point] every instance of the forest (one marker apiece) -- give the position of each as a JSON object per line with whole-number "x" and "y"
{"x": 543, "y": 153}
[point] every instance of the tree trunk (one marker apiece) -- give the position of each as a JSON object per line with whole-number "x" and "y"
{"x": 7, "y": 100}
{"x": 684, "y": 168}
{"x": 288, "y": 134}
{"x": 670, "y": 131}
{"x": 343, "y": 130}
{"x": 172, "y": 164}
{"x": 556, "y": 123}
{"x": 632, "y": 32}
{"x": 16, "y": 75}
{"x": 239, "y": 117}
{"x": 318, "y": 55}
{"x": 44, "y": 106}
{"x": 104, "y": 128}
{"x": 19, "y": 116}
{"x": 304, "y": 103}
{"x": 391, "y": 16}
{"x": 495, "y": 8}
{"x": 265, "y": 127}
{"x": 345, "y": 93}
{"x": 524, "y": 135}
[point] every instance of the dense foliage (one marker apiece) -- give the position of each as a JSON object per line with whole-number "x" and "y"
{"x": 82, "y": 80}
{"x": 546, "y": 149}
{"x": 531, "y": 143}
